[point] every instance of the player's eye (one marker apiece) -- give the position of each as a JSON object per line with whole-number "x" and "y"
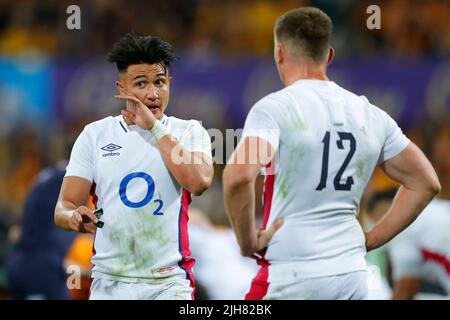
{"x": 159, "y": 82}
{"x": 140, "y": 84}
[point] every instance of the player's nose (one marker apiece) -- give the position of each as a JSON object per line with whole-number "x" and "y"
{"x": 152, "y": 93}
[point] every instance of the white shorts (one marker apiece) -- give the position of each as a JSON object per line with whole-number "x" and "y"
{"x": 348, "y": 286}
{"x": 104, "y": 289}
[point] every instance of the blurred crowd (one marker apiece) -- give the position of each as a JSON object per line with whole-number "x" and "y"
{"x": 228, "y": 29}
{"x": 204, "y": 30}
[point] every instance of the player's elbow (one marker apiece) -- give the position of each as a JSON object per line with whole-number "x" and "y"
{"x": 200, "y": 186}
{"x": 432, "y": 185}
{"x": 199, "y": 189}
{"x": 234, "y": 178}
{"x": 436, "y": 186}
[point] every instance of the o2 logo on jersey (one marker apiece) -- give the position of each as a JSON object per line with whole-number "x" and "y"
{"x": 148, "y": 197}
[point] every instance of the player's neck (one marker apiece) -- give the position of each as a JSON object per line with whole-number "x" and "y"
{"x": 303, "y": 72}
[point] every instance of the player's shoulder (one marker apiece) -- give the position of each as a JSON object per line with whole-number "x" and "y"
{"x": 355, "y": 100}
{"x": 278, "y": 99}
{"x": 101, "y": 124}
{"x": 178, "y": 123}
{"x": 362, "y": 104}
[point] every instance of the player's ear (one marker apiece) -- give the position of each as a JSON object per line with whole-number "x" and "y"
{"x": 120, "y": 87}
{"x": 280, "y": 52}
{"x": 330, "y": 56}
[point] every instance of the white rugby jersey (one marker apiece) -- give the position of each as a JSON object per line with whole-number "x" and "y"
{"x": 423, "y": 249}
{"x": 144, "y": 237}
{"x": 328, "y": 143}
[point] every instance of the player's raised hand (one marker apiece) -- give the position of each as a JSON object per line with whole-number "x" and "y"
{"x": 83, "y": 220}
{"x": 264, "y": 236}
{"x": 136, "y": 111}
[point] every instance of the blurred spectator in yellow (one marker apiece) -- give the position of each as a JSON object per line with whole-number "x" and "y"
{"x": 79, "y": 256}
{"x": 27, "y": 162}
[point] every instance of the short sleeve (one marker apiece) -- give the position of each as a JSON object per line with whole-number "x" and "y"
{"x": 81, "y": 163}
{"x": 197, "y": 139}
{"x": 261, "y": 123}
{"x": 395, "y": 141}
{"x": 405, "y": 255}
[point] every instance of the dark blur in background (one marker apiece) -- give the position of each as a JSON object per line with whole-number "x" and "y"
{"x": 53, "y": 81}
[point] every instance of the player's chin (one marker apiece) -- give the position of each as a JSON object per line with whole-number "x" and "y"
{"x": 155, "y": 110}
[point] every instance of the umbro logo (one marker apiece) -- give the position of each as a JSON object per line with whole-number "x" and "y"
{"x": 110, "y": 148}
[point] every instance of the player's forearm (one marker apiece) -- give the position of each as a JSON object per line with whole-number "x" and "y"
{"x": 63, "y": 213}
{"x": 406, "y": 288}
{"x": 192, "y": 171}
{"x": 405, "y": 208}
{"x": 240, "y": 206}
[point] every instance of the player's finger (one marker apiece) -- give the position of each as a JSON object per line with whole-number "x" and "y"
{"x": 133, "y": 98}
{"x": 268, "y": 233}
{"x": 132, "y": 103}
{"x": 275, "y": 226}
{"x": 78, "y": 221}
{"x": 76, "y": 218}
{"x": 129, "y": 119}
{"x": 127, "y": 98}
{"x": 264, "y": 236}
{"x": 125, "y": 92}
{"x": 75, "y": 221}
{"x": 82, "y": 229}
{"x": 90, "y": 228}
{"x": 87, "y": 215}
{"x": 127, "y": 114}
{"x": 74, "y": 226}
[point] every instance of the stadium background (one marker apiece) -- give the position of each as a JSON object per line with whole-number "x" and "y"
{"x": 53, "y": 80}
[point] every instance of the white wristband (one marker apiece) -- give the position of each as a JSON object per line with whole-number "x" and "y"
{"x": 159, "y": 130}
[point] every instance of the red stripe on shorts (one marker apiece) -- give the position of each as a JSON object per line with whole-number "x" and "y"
{"x": 260, "y": 285}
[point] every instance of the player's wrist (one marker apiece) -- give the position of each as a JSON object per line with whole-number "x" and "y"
{"x": 371, "y": 241}
{"x": 158, "y": 130}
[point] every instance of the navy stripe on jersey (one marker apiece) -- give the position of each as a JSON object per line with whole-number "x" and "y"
{"x": 180, "y": 240}
{"x": 186, "y": 263}
{"x": 121, "y": 124}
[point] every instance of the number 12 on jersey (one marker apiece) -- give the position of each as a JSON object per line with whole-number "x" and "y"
{"x": 347, "y": 186}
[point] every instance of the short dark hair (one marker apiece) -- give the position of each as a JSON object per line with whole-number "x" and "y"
{"x": 133, "y": 49}
{"x": 385, "y": 195}
{"x": 309, "y": 29}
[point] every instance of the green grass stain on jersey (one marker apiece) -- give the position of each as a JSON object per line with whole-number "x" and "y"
{"x": 287, "y": 178}
{"x": 296, "y": 125}
{"x": 360, "y": 167}
{"x": 363, "y": 171}
{"x": 295, "y": 122}
{"x": 142, "y": 236}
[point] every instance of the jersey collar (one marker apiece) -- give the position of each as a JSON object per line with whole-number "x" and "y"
{"x": 164, "y": 119}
